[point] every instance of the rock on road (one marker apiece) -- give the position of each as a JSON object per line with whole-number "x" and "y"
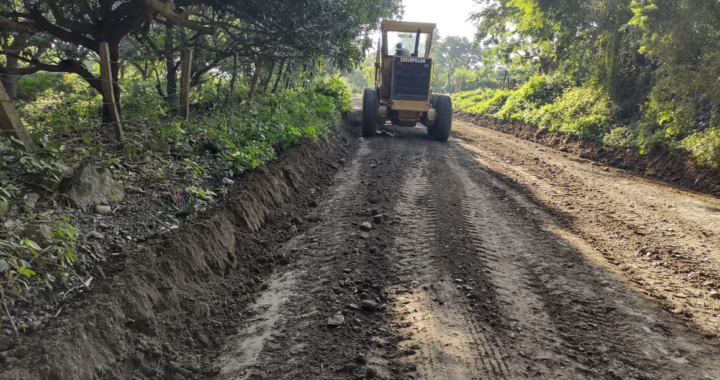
{"x": 430, "y": 262}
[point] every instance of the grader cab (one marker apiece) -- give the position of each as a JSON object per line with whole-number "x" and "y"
{"x": 403, "y": 89}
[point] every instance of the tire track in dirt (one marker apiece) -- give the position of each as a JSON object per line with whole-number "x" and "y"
{"x": 591, "y": 323}
{"x": 479, "y": 283}
{"x": 444, "y": 342}
{"x": 662, "y": 239}
{"x": 501, "y": 248}
{"x": 250, "y": 355}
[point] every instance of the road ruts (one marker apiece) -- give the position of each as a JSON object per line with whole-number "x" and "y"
{"x": 465, "y": 277}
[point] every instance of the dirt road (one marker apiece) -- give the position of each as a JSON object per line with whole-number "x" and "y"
{"x": 488, "y": 258}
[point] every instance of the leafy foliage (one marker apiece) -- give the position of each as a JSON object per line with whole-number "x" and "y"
{"x": 649, "y": 67}
{"x": 547, "y": 102}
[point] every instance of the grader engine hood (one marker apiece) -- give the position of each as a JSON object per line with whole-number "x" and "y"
{"x": 411, "y": 78}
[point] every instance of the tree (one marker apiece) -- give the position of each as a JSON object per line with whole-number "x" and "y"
{"x": 461, "y": 76}
{"x": 449, "y": 55}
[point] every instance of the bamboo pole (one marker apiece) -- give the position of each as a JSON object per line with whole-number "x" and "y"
{"x": 185, "y": 84}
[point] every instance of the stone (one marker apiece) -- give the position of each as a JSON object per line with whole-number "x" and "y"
{"x": 59, "y": 173}
{"x": 6, "y": 343}
{"x": 370, "y": 373}
{"x": 715, "y": 295}
{"x": 366, "y": 226}
{"x": 96, "y": 235}
{"x": 137, "y": 190}
{"x": 31, "y": 201}
{"x": 88, "y": 186}
{"x": 377, "y": 219}
{"x": 103, "y": 210}
{"x": 157, "y": 145}
{"x": 564, "y": 150}
{"x": 370, "y": 305}
{"x": 336, "y": 320}
{"x": 201, "y": 311}
{"x": 41, "y": 234}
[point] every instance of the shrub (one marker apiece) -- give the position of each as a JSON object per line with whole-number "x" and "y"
{"x": 585, "y": 112}
{"x": 535, "y": 93}
{"x": 337, "y": 89}
{"x": 705, "y": 146}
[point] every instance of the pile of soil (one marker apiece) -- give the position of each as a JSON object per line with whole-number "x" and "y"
{"x": 673, "y": 167}
{"x": 162, "y": 309}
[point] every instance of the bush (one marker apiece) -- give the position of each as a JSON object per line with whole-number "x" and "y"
{"x": 705, "y": 146}
{"x": 67, "y": 104}
{"x": 336, "y": 88}
{"x": 141, "y": 100}
{"x": 249, "y": 137}
{"x": 465, "y": 100}
{"x": 585, "y": 112}
{"x": 33, "y": 86}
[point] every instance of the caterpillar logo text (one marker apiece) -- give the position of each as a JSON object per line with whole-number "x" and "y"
{"x": 413, "y": 60}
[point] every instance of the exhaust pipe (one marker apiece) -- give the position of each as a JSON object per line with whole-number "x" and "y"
{"x": 417, "y": 43}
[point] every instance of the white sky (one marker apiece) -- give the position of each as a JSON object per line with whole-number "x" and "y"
{"x": 449, "y": 15}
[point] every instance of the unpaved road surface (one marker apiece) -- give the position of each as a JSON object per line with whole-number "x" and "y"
{"x": 486, "y": 258}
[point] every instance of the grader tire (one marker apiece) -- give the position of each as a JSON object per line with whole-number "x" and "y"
{"x": 431, "y": 129}
{"x": 369, "y": 113}
{"x": 443, "y": 123}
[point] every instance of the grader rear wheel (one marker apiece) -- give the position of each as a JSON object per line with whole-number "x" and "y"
{"x": 443, "y": 121}
{"x": 431, "y": 129}
{"x": 370, "y": 112}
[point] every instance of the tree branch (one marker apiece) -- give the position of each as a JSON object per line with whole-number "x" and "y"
{"x": 13, "y": 26}
{"x": 165, "y": 10}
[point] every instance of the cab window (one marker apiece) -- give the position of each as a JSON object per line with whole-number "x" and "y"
{"x": 407, "y": 40}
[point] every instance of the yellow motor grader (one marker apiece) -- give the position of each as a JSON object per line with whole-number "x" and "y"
{"x": 403, "y": 75}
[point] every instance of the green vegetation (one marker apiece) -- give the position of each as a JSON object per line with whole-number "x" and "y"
{"x": 259, "y": 84}
{"x": 630, "y": 73}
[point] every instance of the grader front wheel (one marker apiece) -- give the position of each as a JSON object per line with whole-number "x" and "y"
{"x": 369, "y": 113}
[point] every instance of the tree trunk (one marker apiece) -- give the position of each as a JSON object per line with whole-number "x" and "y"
{"x": 170, "y": 68}
{"x": 256, "y": 75}
{"x": 288, "y": 75}
{"x": 10, "y": 81}
{"x": 236, "y": 58}
{"x": 279, "y": 77}
{"x": 271, "y": 70}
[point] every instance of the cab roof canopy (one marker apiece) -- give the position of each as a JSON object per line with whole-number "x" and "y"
{"x": 402, "y": 26}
